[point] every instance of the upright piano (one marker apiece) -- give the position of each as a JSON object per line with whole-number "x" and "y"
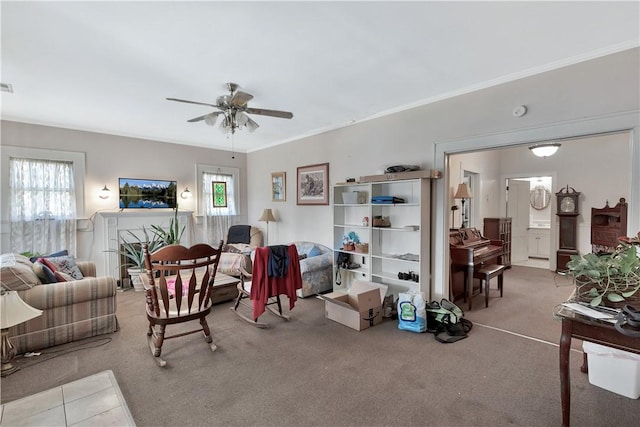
{"x": 469, "y": 249}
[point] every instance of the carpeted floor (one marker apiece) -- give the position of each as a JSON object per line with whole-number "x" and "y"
{"x": 314, "y": 372}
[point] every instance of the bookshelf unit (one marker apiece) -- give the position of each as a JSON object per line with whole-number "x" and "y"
{"x": 402, "y": 247}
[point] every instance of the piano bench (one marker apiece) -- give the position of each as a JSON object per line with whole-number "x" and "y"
{"x": 486, "y": 273}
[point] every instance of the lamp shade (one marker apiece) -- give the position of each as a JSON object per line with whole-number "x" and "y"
{"x": 545, "y": 150}
{"x": 14, "y": 311}
{"x": 463, "y": 192}
{"x": 267, "y": 216}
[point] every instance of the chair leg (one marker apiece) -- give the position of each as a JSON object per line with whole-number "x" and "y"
{"x": 155, "y": 343}
{"x": 500, "y": 283}
{"x": 486, "y": 291}
{"x": 207, "y": 333}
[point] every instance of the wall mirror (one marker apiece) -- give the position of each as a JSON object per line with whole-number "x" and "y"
{"x": 540, "y": 197}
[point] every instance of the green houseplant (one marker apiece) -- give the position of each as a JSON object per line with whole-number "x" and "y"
{"x": 611, "y": 279}
{"x": 130, "y": 247}
{"x": 173, "y": 234}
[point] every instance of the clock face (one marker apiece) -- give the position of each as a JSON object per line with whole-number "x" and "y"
{"x": 567, "y": 205}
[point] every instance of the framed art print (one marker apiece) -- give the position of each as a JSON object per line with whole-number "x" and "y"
{"x": 313, "y": 185}
{"x": 278, "y": 186}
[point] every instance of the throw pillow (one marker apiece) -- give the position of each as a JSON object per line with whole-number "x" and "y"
{"x": 55, "y": 254}
{"x": 16, "y": 276}
{"x": 63, "y": 277}
{"x": 63, "y": 264}
{"x": 315, "y": 251}
{"x": 44, "y": 273}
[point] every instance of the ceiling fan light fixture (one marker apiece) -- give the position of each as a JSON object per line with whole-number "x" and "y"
{"x": 210, "y": 119}
{"x": 545, "y": 150}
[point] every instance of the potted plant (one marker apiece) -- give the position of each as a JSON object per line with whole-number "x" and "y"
{"x": 131, "y": 248}
{"x": 612, "y": 279}
{"x": 173, "y": 234}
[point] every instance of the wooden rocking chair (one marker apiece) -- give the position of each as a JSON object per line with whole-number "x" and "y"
{"x": 178, "y": 289}
{"x": 263, "y": 290}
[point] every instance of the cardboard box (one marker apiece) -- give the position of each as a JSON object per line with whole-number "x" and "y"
{"x": 359, "y": 308}
{"x": 614, "y": 370}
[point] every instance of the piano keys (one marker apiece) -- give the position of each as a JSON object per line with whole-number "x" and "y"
{"x": 468, "y": 250}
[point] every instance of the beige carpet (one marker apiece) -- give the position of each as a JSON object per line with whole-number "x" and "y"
{"x": 314, "y": 372}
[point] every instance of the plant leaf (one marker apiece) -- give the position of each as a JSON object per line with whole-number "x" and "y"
{"x": 614, "y": 297}
{"x": 596, "y": 301}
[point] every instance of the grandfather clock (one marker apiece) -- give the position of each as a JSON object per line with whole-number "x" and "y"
{"x": 567, "y": 211}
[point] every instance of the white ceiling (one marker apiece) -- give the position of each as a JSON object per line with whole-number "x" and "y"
{"x": 108, "y": 66}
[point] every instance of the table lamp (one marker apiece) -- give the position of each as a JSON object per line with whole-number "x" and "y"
{"x": 267, "y": 216}
{"x": 463, "y": 193}
{"x": 13, "y": 311}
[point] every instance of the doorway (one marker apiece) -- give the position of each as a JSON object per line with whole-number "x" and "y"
{"x": 529, "y": 206}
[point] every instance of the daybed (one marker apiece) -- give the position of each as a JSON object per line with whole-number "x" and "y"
{"x": 72, "y": 310}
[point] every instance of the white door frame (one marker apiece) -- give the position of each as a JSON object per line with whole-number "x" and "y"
{"x": 628, "y": 121}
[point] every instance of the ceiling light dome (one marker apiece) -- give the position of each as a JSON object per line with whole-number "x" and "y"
{"x": 545, "y": 150}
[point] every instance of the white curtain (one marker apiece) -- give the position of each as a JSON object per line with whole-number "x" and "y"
{"x": 217, "y": 220}
{"x": 43, "y": 206}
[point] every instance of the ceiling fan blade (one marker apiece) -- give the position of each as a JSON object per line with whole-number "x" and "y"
{"x": 272, "y": 113}
{"x": 191, "y": 102}
{"x": 240, "y": 99}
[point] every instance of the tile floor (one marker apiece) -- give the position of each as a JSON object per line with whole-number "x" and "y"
{"x": 92, "y": 401}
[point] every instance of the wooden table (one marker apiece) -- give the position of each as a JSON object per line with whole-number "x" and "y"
{"x": 225, "y": 288}
{"x": 575, "y": 325}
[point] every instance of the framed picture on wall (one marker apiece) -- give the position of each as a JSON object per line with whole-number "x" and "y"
{"x": 313, "y": 185}
{"x": 278, "y": 186}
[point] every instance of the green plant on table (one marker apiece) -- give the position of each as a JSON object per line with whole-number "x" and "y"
{"x": 614, "y": 276}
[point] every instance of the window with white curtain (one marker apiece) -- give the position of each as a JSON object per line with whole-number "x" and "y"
{"x": 42, "y": 198}
{"x": 217, "y": 220}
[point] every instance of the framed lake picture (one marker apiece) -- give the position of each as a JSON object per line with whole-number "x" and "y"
{"x": 278, "y": 186}
{"x": 313, "y": 185}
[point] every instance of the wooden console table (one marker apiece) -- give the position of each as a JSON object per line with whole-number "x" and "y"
{"x": 575, "y": 325}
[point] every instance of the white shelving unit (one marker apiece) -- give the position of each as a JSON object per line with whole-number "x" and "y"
{"x": 403, "y": 247}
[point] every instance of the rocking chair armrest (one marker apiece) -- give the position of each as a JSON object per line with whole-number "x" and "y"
{"x": 244, "y": 274}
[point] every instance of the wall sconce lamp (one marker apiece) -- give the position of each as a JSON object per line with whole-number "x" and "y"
{"x": 463, "y": 193}
{"x": 13, "y": 311}
{"x": 186, "y": 194}
{"x": 545, "y": 150}
{"x": 267, "y": 216}
{"x": 105, "y": 193}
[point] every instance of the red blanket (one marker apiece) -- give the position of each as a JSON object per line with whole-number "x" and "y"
{"x": 263, "y": 286}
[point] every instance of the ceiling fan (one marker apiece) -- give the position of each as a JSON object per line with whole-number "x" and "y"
{"x": 233, "y": 108}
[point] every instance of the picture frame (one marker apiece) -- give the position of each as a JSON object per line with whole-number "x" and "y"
{"x": 278, "y": 186}
{"x": 312, "y": 186}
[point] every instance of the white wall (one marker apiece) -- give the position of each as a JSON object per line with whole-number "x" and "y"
{"x": 572, "y": 99}
{"x": 558, "y": 100}
{"x": 110, "y": 157}
{"x": 597, "y": 167}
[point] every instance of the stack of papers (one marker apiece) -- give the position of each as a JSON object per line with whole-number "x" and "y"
{"x": 601, "y": 313}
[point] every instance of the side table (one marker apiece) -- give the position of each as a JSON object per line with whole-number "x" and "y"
{"x": 575, "y": 325}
